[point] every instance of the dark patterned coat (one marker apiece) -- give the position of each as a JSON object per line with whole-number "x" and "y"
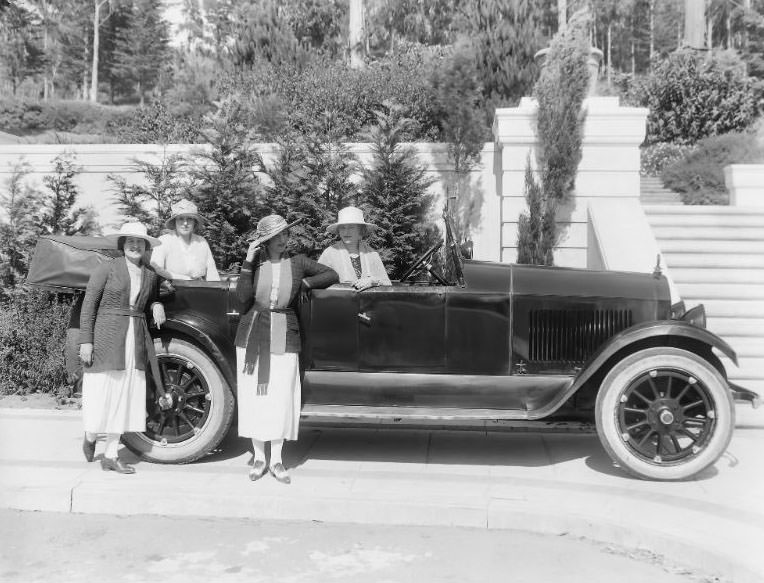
{"x": 315, "y": 274}
{"x": 108, "y": 290}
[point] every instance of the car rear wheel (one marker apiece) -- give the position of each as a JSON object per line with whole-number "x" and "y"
{"x": 664, "y": 414}
{"x": 197, "y": 412}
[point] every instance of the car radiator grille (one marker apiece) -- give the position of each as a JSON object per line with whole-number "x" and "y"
{"x": 571, "y": 336}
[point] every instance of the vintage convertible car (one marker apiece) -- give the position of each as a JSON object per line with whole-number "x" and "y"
{"x": 500, "y": 342}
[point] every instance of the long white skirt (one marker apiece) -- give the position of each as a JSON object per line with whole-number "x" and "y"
{"x": 114, "y": 401}
{"x": 275, "y": 415}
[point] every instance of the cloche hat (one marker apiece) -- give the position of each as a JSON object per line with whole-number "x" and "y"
{"x": 133, "y": 230}
{"x": 183, "y": 208}
{"x": 270, "y": 226}
{"x": 350, "y": 215}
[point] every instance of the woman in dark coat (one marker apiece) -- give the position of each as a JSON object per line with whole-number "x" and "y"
{"x": 268, "y": 342}
{"x": 115, "y": 345}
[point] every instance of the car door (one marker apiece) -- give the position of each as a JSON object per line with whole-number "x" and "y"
{"x": 329, "y": 324}
{"x": 402, "y": 329}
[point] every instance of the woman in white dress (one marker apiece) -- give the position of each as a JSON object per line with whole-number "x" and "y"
{"x": 351, "y": 257}
{"x": 116, "y": 347}
{"x": 184, "y": 254}
{"x": 268, "y": 342}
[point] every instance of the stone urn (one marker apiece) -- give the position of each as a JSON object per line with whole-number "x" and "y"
{"x": 595, "y": 58}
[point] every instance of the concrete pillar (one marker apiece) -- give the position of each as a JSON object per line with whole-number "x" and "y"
{"x": 609, "y": 169}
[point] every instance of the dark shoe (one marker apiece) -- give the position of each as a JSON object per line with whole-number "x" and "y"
{"x": 279, "y": 472}
{"x": 115, "y": 465}
{"x": 88, "y": 448}
{"x": 257, "y": 471}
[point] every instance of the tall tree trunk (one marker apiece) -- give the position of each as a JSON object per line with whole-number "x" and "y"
{"x": 633, "y": 58}
{"x": 709, "y": 33}
{"x": 609, "y": 54}
{"x": 96, "y": 40}
{"x": 729, "y": 29}
{"x": 356, "y": 34}
{"x": 45, "y": 80}
{"x": 651, "y": 8}
{"x": 562, "y": 15}
{"x": 694, "y": 23}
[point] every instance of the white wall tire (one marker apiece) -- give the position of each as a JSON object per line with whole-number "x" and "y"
{"x": 664, "y": 414}
{"x": 202, "y": 411}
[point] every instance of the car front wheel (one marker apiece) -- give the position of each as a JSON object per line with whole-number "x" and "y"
{"x": 664, "y": 414}
{"x": 195, "y": 412}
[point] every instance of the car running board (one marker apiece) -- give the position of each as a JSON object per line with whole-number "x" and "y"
{"x": 310, "y": 411}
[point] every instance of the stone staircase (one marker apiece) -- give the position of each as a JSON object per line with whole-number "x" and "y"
{"x": 652, "y": 191}
{"x": 715, "y": 255}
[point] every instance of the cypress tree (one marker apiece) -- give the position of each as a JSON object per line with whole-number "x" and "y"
{"x": 394, "y": 196}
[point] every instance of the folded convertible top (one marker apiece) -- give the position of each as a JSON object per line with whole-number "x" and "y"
{"x": 63, "y": 263}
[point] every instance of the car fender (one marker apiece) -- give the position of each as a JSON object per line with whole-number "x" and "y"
{"x": 674, "y": 331}
{"x": 206, "y": 334}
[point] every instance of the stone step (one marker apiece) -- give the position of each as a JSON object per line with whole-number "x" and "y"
{"x": 711, "y": 246}
{"x": 716, "y": 274}
{"x": 713, "y": 260}
{"x": 659, "y": 200}
{"x": 717, "y": 216}
{"x": 736, "y": 327}
{"x": 721, "y": 291}
{"x": 731, "y": 308}
{"x": 747, "y": 347}
{"x": 708, "y": 232}
{"x": 749, "y": 369}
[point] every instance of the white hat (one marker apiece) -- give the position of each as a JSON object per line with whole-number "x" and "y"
{"x": 134, "y": 230}
{"x": 183, "y": 208}
{"x": 350, "y": 215}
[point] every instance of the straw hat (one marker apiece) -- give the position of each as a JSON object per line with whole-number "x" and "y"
{"x": 183, "y": 208}
{"x": 350, "y": 215}
{"x": 133, "y": 230}
{"x": 270, "y": 226}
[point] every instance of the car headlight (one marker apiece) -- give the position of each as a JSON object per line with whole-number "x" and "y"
{"x": 696, "y": 316}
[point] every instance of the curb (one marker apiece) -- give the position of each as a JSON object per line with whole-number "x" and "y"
{"x": 687, "y": 535}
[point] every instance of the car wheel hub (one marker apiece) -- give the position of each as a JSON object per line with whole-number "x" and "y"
{"x": 665, "y": 416}
{"x": 182, "y": 410}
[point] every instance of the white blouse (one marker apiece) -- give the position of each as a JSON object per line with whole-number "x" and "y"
{"x": 174, "y": 259}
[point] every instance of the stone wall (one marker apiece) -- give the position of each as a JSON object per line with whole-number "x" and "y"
{"x": 97, "y": 161}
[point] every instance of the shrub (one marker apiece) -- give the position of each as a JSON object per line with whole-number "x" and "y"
{"x": 155, "y": 124}
{"x": 225, "y": 186}
{"x": 653, "y": 159}
{"x": 150, "y": 201}
{"x": 699, "y": 176}
{"x": 32, "y": 334}
{"x": 690, "y": 99}
{"x": 64, "y": 116}
{"x": 394, "y": 194}
{"x": 311, "y": 90}
{"x": 311, "y": 180}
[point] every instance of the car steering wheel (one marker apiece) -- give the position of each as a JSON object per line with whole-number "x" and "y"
{"x": 424, "y": 260}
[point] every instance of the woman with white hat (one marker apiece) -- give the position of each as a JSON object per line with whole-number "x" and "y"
{"x": 352, "y": 257}
{"x": 116, "y": 347}
{"x": 268, "y": 342}
{"x": 184, "y": 254}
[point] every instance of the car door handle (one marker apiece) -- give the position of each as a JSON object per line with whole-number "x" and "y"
{"x": 364, "y": 318}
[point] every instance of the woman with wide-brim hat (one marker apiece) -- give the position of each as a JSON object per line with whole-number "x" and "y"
{"x": 116, "y": 347}
{"x": 268, "y": 342}
{"x": 184, "y": 254}
{"x": 352, "y": 257}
